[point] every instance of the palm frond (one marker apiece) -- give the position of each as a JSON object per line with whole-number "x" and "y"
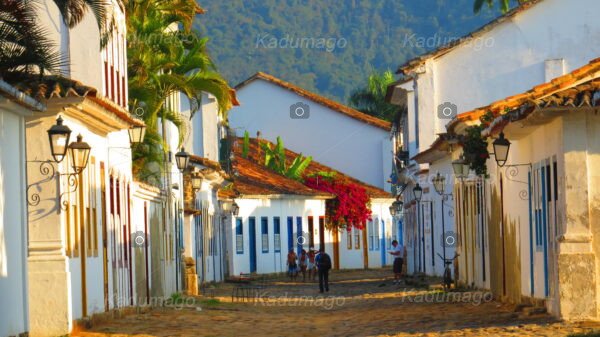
{"x": 24, "y": 46}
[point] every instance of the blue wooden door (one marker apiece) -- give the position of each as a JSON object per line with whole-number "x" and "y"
{"x": 252, "y": 235}
{"x": 545, "y": 193}
{"x": 290, "y": 233}
{"x": 299, "y": 238}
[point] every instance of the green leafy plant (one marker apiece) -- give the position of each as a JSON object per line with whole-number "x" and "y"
{"x": 504, "y": 4}
{"x": 275, "y": 160}
{"x": 371, "y": 98}
{"x": 475, "y": 149}
{"x": 163, "y": 62}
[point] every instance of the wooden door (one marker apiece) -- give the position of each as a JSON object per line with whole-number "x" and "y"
{"x": 104, "y": 235}
{"x": 336, "y": 249}
{"x": 322, "y": 232}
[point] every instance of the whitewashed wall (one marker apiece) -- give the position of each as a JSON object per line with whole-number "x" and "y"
{"x": 271, "y": 261}
{"x": 210, "y": 265}
{"x": 13, "y": 224}
{"x": 147, "y": 205}
{"x": 514, "y": 56}
{"x": 81, "y": 46}
{"x": 332, "y": 138}
{"x": 535, "y": 145}
{"x": 205, "y": 129}
{"x": 114, "y": 151}
{"x": 444, "y": 167}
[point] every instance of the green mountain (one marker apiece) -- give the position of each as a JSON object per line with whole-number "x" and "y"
{"x": 329, "y": 46}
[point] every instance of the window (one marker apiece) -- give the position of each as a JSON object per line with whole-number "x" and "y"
{"x": 311, "y": 232}
{"x": 91, "y": 210}
{"x": 276, "y": 234}
{"x": 264, "y": 229}
{"x": 371, "y": 237}
{"x": 356, "y": 238}
{"x": 239, "y": 236}
{"x": 349, "y": 238}
{"x": 376, "y": 233}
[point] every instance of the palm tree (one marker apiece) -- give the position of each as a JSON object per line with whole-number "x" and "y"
{"x": 371, "y": 98}
{"x": 24, "y": 46}
{"x": 73, "y": 12}
{"x": 163, "y": 61}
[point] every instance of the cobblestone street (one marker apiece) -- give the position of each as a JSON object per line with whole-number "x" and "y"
{"x": 359, "y": 304}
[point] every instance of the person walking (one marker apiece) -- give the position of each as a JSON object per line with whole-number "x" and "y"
{"x": 323, "y": 261}
{"x": 303, "y": 259}
{"x": 312, "y": 267}
{"x": 292, "y": 265}
{"x": 398, "y": 252}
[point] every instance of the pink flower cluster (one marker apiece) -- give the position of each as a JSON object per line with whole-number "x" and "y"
{"x": 350, "y": 208}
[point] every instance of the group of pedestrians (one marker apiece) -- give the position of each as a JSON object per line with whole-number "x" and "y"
{"x": 320, "y": 263}
{"x": 312, "y": 262}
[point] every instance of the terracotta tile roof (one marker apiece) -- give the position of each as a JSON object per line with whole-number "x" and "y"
{"x": 205, "y": 162}
{"x": 579, "y": 88}
{"x": 368, "y": 119}
{"x": 227, "y": 193}
{"x": 315, "y": 167}
{"x": 546, "y": 92}
{"x": 255, "y": 179}
{"x": 411, "y": 64}
{"x": 52, "y": 87}
{"x": 19, "y": 97}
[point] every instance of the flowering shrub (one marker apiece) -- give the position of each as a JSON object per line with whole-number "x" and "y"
{"x": 351, "y": 206}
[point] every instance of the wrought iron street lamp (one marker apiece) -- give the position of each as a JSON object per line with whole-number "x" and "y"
{"x": 136, "y": 134}
{"x": 80, "y": 153}
{"x": 418, "y": 192}
{"x": 235, "y": 209}
{"x": 396, "y": 208}
{"x": 196, "y": 182}
{"x": 59, "y": 135}
{"x": 501, "y": 148}
{"x": 183, "y": 159}
{"x": 461, "y": 167}
{"x": 438, "y": 183}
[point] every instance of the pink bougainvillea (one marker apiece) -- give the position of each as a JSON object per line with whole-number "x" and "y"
{"x": 351, "y": 206}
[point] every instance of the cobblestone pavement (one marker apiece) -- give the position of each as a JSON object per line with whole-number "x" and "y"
{"x": 360, "y": 303}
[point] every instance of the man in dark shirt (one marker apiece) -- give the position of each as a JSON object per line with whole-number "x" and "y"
{"x": 323, "y": 262}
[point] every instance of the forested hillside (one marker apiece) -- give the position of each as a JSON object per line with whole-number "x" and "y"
{"x": 329, "y": 46}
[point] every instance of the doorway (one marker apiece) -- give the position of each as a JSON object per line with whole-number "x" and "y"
{"x": 252, "y": 234}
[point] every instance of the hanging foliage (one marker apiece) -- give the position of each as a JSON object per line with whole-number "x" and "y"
{"x": 475, "y": 146}
{"x": 351, "y": 206}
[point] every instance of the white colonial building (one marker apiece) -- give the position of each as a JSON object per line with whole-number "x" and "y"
{"x": 266, "y": 198}
{"x": 509, "y": 239}
{"x": 336, "y": 135}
